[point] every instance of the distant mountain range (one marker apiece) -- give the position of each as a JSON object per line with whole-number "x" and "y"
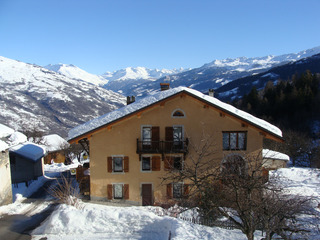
{"x": 241, "y": 86}
{"x": 141, "y": 81}
{"x": 61, "y": 96}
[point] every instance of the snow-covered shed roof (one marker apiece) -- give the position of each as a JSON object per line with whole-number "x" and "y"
{"x": 5, "y": 131}
{"x": 29, "y": 150}
{"x": 54, "y": 142}
{"x": 82, "y": 130}
{"x": 270, "y": 154}
{"x": 9, "y": 138}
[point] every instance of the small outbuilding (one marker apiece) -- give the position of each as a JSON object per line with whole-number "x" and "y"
{"x": 26, "y": 162}
{"x": 273, "y": 160}
{"x": 55, "y": 148}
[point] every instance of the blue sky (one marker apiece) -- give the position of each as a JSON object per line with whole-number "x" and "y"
{"x": 107, "y": 35}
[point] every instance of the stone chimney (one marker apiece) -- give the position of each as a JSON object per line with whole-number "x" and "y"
{"x": 164, "y": 86}
{"x": 211, "y": 92}
{"x": 131, "y": 99}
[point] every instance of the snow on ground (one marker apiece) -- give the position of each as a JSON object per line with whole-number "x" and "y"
{"x": 19, "y": 207}
{"x": 100, "y": 221}
{"x": 105, "y": 222}
{"x": 94, "y": 221}
{"x": 300, "y": 181}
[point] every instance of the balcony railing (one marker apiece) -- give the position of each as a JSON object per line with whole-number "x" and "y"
{"x": 162, "y": 146}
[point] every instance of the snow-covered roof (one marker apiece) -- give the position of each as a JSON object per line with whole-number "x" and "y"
{"x": 29, "y": 150}
{"x": 270, "y": 154}
{"x": 9, "y": 138}
{"x": 5, "y": 131}
{"x": 156, "y": 97}
{"x": 54, "y": 142}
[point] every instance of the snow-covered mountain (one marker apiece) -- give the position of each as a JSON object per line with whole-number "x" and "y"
{"x": 140, "y": 81}
{"x": 34, "y": 96}
{"x": 241, "y": 86}
{"x": 220, "y": 72}
{"x": 72, "y": 71}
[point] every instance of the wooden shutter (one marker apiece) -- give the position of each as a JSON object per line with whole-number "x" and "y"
{"x": 169, "y": 190}
{"x": 126, "y": 164}
{"x": 126, "y": 191}
{"x": 156, "y": 163}
{"x": 169, "y": 138}
{"x": 109, "y": 191}
{"x": 155, "y": 137}
{"x": 109, "y": 164}
{"x": 185, "y": 190}
{"x": 168, "y": 162}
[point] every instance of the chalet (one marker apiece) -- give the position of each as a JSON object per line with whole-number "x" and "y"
{"x": 133, "y": 147}
{"x": 26, "y": 162}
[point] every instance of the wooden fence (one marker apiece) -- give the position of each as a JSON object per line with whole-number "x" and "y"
{"x": 211, "y": 223}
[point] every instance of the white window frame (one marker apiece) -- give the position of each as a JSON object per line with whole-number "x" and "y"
{"x": 142, "y": 139}
{"x": 182, "y": 189}
{"x": 181, "y": 160}
{"x": 146, "y": 171}
{"x": 182, "y": 133}
{"x": 117, "y": 156}
{"x": 113, "y": 191}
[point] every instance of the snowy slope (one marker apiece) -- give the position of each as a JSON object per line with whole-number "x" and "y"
{"x": 34, "y": 96}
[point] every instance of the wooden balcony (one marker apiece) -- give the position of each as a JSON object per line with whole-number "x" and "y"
{"x": 162, "y": 147}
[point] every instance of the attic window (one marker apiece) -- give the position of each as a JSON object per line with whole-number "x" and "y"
{"x": 178, "y": 113}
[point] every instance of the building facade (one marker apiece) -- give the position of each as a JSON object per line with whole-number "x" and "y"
{"x": 132, "y": 148}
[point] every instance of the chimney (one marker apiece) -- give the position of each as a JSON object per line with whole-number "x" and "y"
{"x": 211, "y": 92}
{"x": 131, "y": 99}
{"x": 164, "y": 86}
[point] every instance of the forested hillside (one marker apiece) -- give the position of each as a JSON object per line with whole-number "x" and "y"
{"x": 294, "y": 106}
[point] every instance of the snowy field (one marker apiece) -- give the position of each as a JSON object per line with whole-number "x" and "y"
{"x": 97, "y": 221}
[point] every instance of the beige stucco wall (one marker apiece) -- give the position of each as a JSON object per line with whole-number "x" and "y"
{"x": 5, "y": 179}
{"x": 121, "y": 140}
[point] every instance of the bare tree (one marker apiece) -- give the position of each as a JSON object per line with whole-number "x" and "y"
{"x": 237, "y": 188}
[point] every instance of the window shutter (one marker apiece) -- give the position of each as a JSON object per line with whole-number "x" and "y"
{"x": 168, "y": 162}
{"x": 156, "y": 163}
{"x": 169, "y": 138}
{"x": 109, "y": 191}
{"x": 155, "y": 133}
{"x": 169, "y": 191}
{"x": 126, "y": 164}
{"x": 185, "y": 190}
{"x": 109, "y": 164}
{"x": 126, "y": 191}
{"x": 155, "y": 137}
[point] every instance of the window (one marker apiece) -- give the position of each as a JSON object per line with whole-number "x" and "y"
{"x": 234, "y": 165}
{"x": 178, "y": 114}
{"x": 146, "y": 135}
{"x": 177, "y": 189}
{"x": 177, "y": 163}
{"x": 177, "y": 135}
{"x": 234, "y": 140}
{"x": 146, "y": 163}
{"x": 117, "y": 191}
{"x": 173, "y": 163}
{"x": 118, "y": 164}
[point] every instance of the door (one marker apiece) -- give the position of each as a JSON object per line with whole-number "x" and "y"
{"x": 147, "y": 195}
